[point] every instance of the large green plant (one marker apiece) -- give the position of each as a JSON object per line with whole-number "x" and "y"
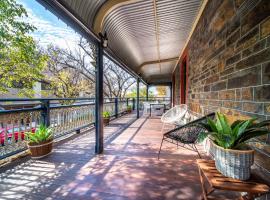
{"x": 106, "y": 114}
{"x": 129, "y": 107}
{"x": 42, "y": 134}
{"x": 232, "y": 136}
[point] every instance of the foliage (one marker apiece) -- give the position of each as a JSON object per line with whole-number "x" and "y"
{"x": 142, "y": 93}
{"x": 80, "y": 62}
{"x": 233, "y": 136}
{"x": 106, "y": 114}
{"x": 42, "y": 134}
{"x": 129, "y": 107}
{"x": 161, "y": 91}
{"x": 20, "y": 59}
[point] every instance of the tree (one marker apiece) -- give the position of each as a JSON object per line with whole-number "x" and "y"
{"x": 20, "y": 60}
{"x": 142, "y": 93}
{"x": 116, "y": 80}
{"x": 81, "y": 63}
{"x": 161, "y": 90}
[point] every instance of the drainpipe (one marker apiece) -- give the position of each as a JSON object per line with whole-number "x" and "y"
{"x": 138, "y": 97}
{"x": 147, "y": 90}
{"x": 99, "y": 100}
{"x": 171, "y": 95}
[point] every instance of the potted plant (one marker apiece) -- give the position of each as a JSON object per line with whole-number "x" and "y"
{"x": 129, "y": 109}
{"x": 106, "y": 118}
{"x": 233, "y": 158}
{"x": 40, "y": 142}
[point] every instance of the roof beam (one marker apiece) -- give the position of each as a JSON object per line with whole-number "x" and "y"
{"x": 105, "y": 9}
{"x": 156, "y": 62}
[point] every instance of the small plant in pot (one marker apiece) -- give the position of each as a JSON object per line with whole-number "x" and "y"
{"x": 129, "y": 109}
{"x": 233, "y": 158}
{"x": 106, "y": 118}
{"x": 40, "y": 142}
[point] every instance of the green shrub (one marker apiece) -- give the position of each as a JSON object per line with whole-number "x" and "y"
{"x": 129, "y": 107}
{"x": 41, "y": 134}
{"x": 232, "y": 136}
{"x": 106, "y": 114}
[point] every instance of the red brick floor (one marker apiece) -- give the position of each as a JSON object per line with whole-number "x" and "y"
{"x": 128, "y": 169}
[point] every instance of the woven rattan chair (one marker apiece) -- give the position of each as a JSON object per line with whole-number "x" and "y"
{"x": 186, "y": 135}
{"x": 174, "y": 115}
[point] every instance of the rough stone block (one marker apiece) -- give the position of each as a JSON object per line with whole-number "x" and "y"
{"x": 227, "y": 95}
{"x": 238, "y": 95}
{"x": 262, "y": 93}
{"x": 265, "y": 28}
{"x": 224, "y": 13}
{"x": 206, "y": 88}
{"x": 245, "y": 78}
{"x": 232, "y": 104}
{"x": 251, "y": 38}
{"x": 215, "y": 103}
{"x": 247, "y": 94}
{"x": 266, "y": 73}
{"x": 267, "y": 108}
{"x": 212, "y": 79}
{"x": 233, "y": 59}
{"x": 227, "y": 71}
{"x": 261, "y": 57}
{"x": 255, "y": 16}
{"x": 253, "y": 107}
{"x": 219, "y": 86}
{"x": 268, "y": 42}
{"x": 238, "y": 3}
{"x": 233, "y": 38}
{"x": 254, "y": 49}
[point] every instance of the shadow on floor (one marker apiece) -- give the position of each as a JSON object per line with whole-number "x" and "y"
{"x": 128, "y": 169}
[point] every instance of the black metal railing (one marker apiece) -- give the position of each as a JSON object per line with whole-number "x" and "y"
{"x": 64, "y": 116}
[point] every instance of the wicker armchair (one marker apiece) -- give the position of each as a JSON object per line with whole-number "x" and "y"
{"x": 186, "y": 135}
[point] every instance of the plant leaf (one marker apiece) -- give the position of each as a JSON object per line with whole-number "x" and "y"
{"x": 202, "y": 136}
{"x": 225, "y": 127}
{"x": 237, "y": 122}
{"x": 212, "y": 125}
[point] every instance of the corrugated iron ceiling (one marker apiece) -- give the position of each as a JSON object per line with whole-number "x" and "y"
{"x": 144, "y": 31}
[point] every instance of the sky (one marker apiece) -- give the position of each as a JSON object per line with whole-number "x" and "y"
{"x": 50, "y": 29}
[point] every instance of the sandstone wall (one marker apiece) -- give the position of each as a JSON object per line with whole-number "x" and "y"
{"x": 229, "y": 64}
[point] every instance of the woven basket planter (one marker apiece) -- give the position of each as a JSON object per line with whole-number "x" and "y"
{"x": 41, "y": 150}
{"x": 233, "y": 163}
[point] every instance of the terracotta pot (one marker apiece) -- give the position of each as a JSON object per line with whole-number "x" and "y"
{"x": 106, "y": 121}
{"x": 40, "y": 150}
{"x": 129, "y": 111}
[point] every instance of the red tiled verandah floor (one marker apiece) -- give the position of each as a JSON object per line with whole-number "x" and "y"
{"x": 128, "y": 169}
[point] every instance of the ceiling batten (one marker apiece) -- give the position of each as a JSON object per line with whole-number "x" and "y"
{"x": 105, "y": 9}
{"x": 157, "y": 31}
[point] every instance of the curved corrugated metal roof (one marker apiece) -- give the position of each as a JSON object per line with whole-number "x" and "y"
{"x": 84, "y": 9}
{"x": 143, "y": 31}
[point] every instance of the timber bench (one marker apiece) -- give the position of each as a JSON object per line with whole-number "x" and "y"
{"x": 208, "y": 172}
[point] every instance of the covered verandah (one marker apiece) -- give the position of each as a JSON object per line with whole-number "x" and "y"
{"x": 128, "y": 168}
{"x": 149, "y": 39}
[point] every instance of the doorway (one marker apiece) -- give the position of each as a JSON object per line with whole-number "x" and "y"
{"x": 183, "y": 81}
